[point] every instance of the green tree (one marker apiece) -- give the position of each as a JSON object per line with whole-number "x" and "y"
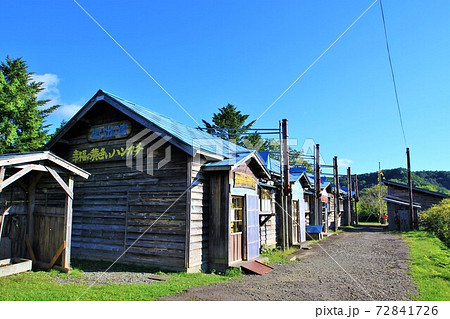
{"x": 22, "y": 115}
{"x": 229, "y": 124}
{"x": 437, "y": 220}
{"x": 369, "y": 203}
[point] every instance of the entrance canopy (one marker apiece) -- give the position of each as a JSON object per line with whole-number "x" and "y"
{"x": 56, "y": 230}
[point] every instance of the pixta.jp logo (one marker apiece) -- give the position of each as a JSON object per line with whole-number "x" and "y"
{"x": 151, "y": 141}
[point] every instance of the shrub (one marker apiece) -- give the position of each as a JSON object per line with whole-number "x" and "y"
{"x": 437, "y": 220}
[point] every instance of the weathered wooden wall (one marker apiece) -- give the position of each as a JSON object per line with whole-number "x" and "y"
{"x": 268, "y": 231}
{"x": 199, "y": 212}
{"x": 48, "y": 232}
{"x": 425, "y": 200}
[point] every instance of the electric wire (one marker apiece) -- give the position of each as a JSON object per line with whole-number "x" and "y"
{"x": 392, "y": 73}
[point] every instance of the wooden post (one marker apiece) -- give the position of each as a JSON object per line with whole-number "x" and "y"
{"x": 31, "y": 205}
{"x": 286, "y": 182}
{"x": 318, "y": 203}
{"x": 380, "y": 197}
{"x": 349, "y": 195}
{"x": 68, "y": 225}
{"x": 283, "y": 207}
{"x": 2, "y": 176}
{"x": 410, "y": 192}
{"x": 336, "y": 193}
{"x": 356, "y": 199}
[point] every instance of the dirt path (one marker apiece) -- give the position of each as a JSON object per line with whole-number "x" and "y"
{"x": 377, "y": 260}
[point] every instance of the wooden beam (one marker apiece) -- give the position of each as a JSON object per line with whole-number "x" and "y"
{"x": 2, "y": 175}
{"x": 60, "y": 181}
{"x": 68, "y": 166}
{"x": 21, "y": 159}
{"x": 30, "y": 250}
{"x": 58, "y": 253}
{"x": 68, "y": 225}
{"x": 35, "y": 167}
{"x": 15, "y": 177}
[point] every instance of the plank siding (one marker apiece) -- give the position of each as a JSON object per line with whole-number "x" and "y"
{"x": 268, "y": 231}
{"x": 120, "y": 207}
{"x": 199, "y": 210}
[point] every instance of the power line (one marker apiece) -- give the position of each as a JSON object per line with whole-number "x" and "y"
{"x": 315, "y": 61}
{"x": 392, "y": 73}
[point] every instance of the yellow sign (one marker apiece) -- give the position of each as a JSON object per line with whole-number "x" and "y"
{"x": 98, "y": 154}
{"x": 244, "y": 181}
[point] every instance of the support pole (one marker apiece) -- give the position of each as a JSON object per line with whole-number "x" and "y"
{"x": 379, "y": 185}
{"x": 286, "y": 181}
{"x": 68, "y": 225}
{"x": 356, "y": 199}
{"x": 318, "y": 203}
{"x": 336, "y": 193}
{"x": 410, "y": 192}
{"x": 349, "y": 196}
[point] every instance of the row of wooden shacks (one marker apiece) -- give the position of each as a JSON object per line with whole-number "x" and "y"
{"x": 169, "y": 196}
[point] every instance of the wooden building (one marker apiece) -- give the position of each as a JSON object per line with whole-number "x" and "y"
{"x": 297, "y": 209}
{"x": 397, "y": 200}
{"x": 161, "y": 193}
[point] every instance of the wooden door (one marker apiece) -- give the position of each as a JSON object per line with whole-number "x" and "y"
{"x": 236, "y": 228}
{"x": 295, "y": 222}
{"x": 252, "y": 226}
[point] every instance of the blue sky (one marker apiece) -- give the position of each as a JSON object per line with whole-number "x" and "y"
{"x": 210, "y": 53}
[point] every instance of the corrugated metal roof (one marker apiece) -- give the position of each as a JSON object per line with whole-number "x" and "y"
{"x": 240, "y": 157}
{"x": 272, "y": 165}
{"x": 190, "y": 136}
{"x": 387, "y": 182}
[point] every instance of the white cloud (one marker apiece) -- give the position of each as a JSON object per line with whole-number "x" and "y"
{"x": 66, "y": 111}
{"x": 344, "y": 162}
{"x": 51, "y": 92}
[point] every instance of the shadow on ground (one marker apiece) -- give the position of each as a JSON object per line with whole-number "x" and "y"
{"x": 366, "y": 228}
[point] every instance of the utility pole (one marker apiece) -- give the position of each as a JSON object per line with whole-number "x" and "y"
{"x": 318, "y": 203}
{"x": 349, "y": 204}
{"x": 336, "y": 193}
{"x": 356, "y": 199}
{"x": 379, "y": 185}
{"x": 410, "y": 192}
{"x": 286, "y": 182}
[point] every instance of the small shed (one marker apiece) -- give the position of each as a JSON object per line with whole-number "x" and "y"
{"x": 36, "y": 193}
{"x": 397, "y": 200}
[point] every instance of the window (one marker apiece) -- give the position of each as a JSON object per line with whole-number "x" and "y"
{"x": 265, "y": 196}
{"x": 237, "y": 214}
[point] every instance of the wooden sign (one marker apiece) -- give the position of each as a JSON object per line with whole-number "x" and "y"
{"x": 242, "y": 180}
{"x": 109, "y": 131}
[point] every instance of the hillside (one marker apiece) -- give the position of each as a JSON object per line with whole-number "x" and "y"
{"x": 438, "y": 181}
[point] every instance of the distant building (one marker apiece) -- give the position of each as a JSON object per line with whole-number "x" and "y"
{"x": 397, "y": 200}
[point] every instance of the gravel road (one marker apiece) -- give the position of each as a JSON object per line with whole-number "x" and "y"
{"x": 364, "y": 264}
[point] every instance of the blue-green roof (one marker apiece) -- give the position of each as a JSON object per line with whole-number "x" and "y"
{"x": 185, "y": 137}
{"x": 190, "y": 136}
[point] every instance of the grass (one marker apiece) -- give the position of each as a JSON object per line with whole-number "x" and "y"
{"x": 41, "y": 285}
{"x": 346, "y": 227}
{"x": 278, "y": 255}
{"x": 429, "y": 266}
